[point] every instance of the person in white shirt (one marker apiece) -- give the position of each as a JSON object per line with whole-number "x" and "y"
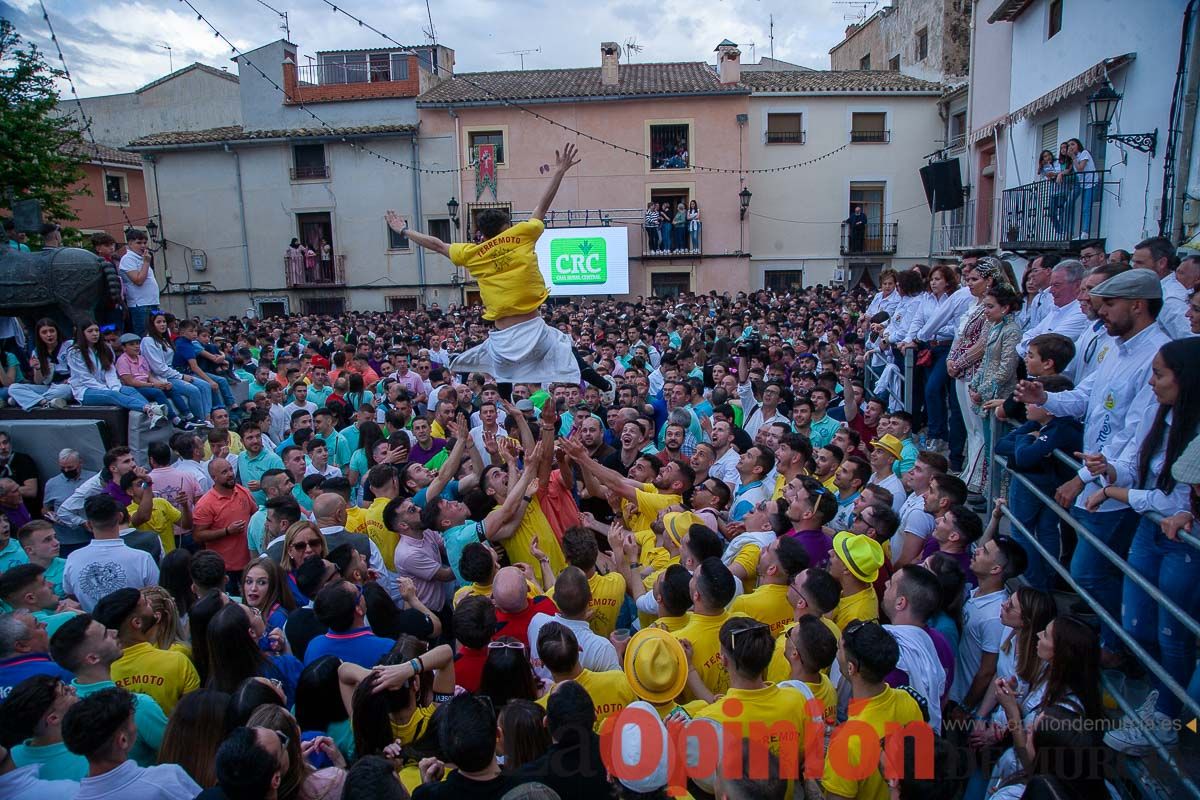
{"x": 106, "y": 563}
{"x": 101, "y": 728}
{"x": 933, "y": 325}
{"x": 887, "y": 297}
{"x": 725, "y": 455}
{"x": 488, "y": 427}
{"x": 1037, "y": 280}
{"x": 318, "y": 460}
{"x": 994, "y": 563}
{"x": 23, "y": 783}
{"x": 1158, "y": 254}
{"x": 1065, "y": 316}
{"x": 572, "y": 596}
{"x": 137, "y": 277}
{"x": 300, "y": 401}
{"x": 1093, "y": 338}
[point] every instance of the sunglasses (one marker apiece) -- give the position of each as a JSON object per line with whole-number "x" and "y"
{"x": 306, "y": 544}
{"x": 505, "y": 646}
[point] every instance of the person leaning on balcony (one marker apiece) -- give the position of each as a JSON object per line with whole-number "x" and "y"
{"x": 858, "y": 229}
{"x": 693, "y": 216}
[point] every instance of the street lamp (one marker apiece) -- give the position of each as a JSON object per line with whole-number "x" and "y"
{"x": 1102, "y": 106}
{"x": 744, "y": 197}
{"x": 152, "y": 231}
{"x": 452, "y": 208}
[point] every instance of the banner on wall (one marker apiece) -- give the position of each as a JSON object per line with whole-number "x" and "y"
{"x": 584, "y": 261}
{"x": 485, "y": 170}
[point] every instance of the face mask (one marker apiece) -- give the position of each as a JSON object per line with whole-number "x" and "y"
{"x": 71, "y": 474}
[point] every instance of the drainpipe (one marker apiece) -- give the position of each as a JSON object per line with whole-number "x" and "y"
{"x": 237, "y": 166}
{"x": 416, "y": 172}
{"x": 1184, "y": 155}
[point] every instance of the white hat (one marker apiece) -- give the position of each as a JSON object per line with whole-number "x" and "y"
{"x": 631, "y": 752}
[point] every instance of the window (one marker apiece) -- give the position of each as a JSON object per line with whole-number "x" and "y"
{"x": 958, "y": 128}
{"x": 1050, "y": 137}
{"x": 894, "y": 63}
{"x": 396, "y": 241}
{"x": 308, "y": 162}
{"x": 870, "y": 197}
{"x": 669, "y": 146}
{"x": 344, "y": 68}
{"x": 399, "y": 66}
{"x": 922, "y": 44}
{"x": 440, "y": 229}
{"x": 476, "y": 138}
{"x": 398, "y": 304}
{"x": 785, "y": 129}
{"x": 115, "y": 189}
{"x": 869, "y": 127}
{"x": 670, "y": 284}
{"x": 864, "y": 63}
{"x": 1054, "y": 21}
{"x": 325, "y": 306}
{"x": 783, "y": 280}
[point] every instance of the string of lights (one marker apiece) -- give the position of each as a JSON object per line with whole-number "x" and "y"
{"x": 508, "y": 101}
{"x": 825, "y": 222}
{"x": 87, "y": 121}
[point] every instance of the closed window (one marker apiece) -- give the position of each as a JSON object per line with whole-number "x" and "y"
{"x": 868, "y": 127}
{"x": 864, "y": 63}
{"x": 115, "y": 189}
{"x": 476, "y": 138}
{"x": 958, "y": 128}
{"x": 396, "y": 241}
{"x": 922, "y": 44}
{"x": 1050, "y": 137}
{"x": 308, "y": 162}
{"x": 783, "y": 280}
{"x": 440, "y": 229}
{"x": 669, "y": 146}
{"x": 399, "y": 66}
{"x": 894, "y": 63}
{"x": 785, "y": 129}
{"x": 1055, "y": 16}
{"x": 344, "y": 68}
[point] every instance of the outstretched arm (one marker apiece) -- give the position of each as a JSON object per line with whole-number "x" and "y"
{"x": 400, "y": 225}
{"x": 562, "y": 162}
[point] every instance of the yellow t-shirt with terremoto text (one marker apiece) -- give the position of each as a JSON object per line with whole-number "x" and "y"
{"x": 506, "y": 268}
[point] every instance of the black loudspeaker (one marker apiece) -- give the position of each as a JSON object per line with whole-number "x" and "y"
{"x": 943, "y": 185}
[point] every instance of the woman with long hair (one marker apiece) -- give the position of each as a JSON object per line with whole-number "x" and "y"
{"x": 997, "y": 375}
{"x": 302, "y": 541}
{"x": 265, "y": 587}
{"x": 174, "y": 575}
{"x": 301, "y": 781}
{"x": 247, "y": 650}
{"x": 319, "y": 708}
{"x": 356, "y": 391}
{"x": 1083, "y": 174}
{"x": 950, "y": 574}
{"x": 169, "y": 632}
{"x": 523, "y": 735}
{"x": 249, "y": 695}
{"x": 965, "y": 358}
{"x": 93, "y": 378}
{"x": 189, "y": 400}
{"x": 194, "y": 731}
{"x": 1047, "y": 168}
{"x": 199, "y": 618}
{"x": 508, "y": 674}
{"x": 1141, "y": 476}
{"x": 48, "y": 372}
{"x": 1070, "y": 649}
{"x": 693, "y": 220}
{"x": 934, "y": 323}
{"x": 368, "y": 454}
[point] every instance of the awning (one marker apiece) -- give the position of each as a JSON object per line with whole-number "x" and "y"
{"x": 1080, "y": 83}
{"x": 986, "y": 130}
{"x": 1009, "y": 10}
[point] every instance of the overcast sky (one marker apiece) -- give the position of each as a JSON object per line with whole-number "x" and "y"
{"x": 117, "y": 46}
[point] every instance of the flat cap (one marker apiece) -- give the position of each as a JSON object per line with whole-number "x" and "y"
{"x": 1134, "y": 284}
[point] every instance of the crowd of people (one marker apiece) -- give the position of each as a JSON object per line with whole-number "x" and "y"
{"x": 377, "y": 577}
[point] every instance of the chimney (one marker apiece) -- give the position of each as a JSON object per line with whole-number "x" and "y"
{"x": 851, "y": 29}
{"x": 729, "y": 64}
{"x": 610, "y": 58}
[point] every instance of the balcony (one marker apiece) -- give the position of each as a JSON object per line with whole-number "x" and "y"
{"x": 870, "y": 137}
{"x": 954, "y": 230}
{"x": 314, "y": 273}
{"x": 876, "y": 239}
{"x": 653, "y": 245}
{"x": 1047, "y": 215}
{"x": 785, "y": 137}
{"x": 310, "y": 173}
{"x": 363, "y": 78}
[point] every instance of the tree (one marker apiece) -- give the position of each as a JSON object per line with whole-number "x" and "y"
{"x": 44, "y": 151}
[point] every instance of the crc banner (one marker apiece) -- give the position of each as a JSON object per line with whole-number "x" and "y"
{"x": 582, "y": 261}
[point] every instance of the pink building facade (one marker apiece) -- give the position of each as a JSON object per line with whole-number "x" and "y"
{"x": 682, "y": 115}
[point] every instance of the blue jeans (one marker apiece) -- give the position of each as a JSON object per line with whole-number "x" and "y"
{"x": 187, "y": 398}
{"x": 154, "y": 395}
{"x": 1174, "y": 567}
{"x": 937, "y": 382}
{"x": 222, "y": 397}
{"x": 696, "y": 237}
{"x": 1093, "y": 572}
{"x": 137, "y": 318}
{"x": 1081, "y": 197}
{"x": 1042, "y": 522}
{"x": 125, "y": 397}
{"x": 651, "y": 238}
{"x": 664, "y": 234}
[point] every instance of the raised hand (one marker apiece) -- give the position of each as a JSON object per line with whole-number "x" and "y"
{"x": 395, "y": 221}
{"x": 566, "y": 159}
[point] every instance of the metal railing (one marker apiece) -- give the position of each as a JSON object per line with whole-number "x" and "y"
{"x": 117, "y": 197}
{"x": 872, "y": 239}
{"x": 311, "y": 172}
{"x": 671, "y": 242}
{"x": 873, "y": 137}
{"x": 315, "y": 273}
{"x": 1029, "y": 539}
{"x": 954, "y": 229}
{"x": 875, "y": 372}
{"x": 786, "y": 137}
{"x": 1050, "y": 214}
{"x": 358, "y": 72}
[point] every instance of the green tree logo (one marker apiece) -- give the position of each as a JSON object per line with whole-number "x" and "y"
{"x": 579, "y": 261}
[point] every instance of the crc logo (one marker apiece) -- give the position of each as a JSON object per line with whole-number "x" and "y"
{"x": 582, "y": 260}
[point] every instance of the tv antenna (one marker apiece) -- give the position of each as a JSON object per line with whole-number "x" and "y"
{"x": 521, "y": 54}
{"x": 772, "y": 34}
{"x": 753, "y": 51}
{"x": 865, "y": 9}
{"x": 631, "y": 47}
{"x": 283, "y": 15}
{"x": 170, "y": 55}
{"x": 430, "y": 32}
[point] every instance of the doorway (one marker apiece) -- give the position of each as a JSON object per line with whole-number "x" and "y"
{"x": 870, "y": 197}
{"x": 670, "y": 284}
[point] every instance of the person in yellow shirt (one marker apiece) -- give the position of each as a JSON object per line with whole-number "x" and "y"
{"x": 780, "y": 562}
{"x": 642, "y": 500}
{"x": 579, "y": 548}
{"x": 866, "y": 655}
{"x": 533, "y": 533}
{"x": 791, "y": 461}
{"x": 163, "y": 516}
{"x": 559, "y": 651}
{"x": 827, "y": 460}
{"x": 385, "y": 485}
{"x": 656, "y": 666}
{"x": 854, "y": 562}
{"x": 672, "y": 592}
{"x": 522, "y": 348}
{"x": 165, "y": 675}
{"x": 812, "y": 593}
{"x": 763, "y": 713}
{"x": 712, "y": 588}
{"x": 810, "y": 650}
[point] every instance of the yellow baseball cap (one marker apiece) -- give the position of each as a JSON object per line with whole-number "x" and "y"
{"x": 861, "y": 554}
{"x": 656, "y": 665}
{"x": 889, "y": 443}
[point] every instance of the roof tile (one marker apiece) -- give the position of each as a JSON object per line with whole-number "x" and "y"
{"x": 102, "y": 153}
{"x": 865, "y": 81}
{"x": 236, "y": 133}
{"x": 634, "y": 80}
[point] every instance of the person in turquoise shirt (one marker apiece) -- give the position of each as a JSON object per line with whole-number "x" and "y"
{"x": 88, "y": 649}
{"x": 901, "y": 422}
{"x": 40, "y": 543}
{"x": 34, "y": 711}
{"x": 255, "y": 461}
{"x": 11, "y": 552}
